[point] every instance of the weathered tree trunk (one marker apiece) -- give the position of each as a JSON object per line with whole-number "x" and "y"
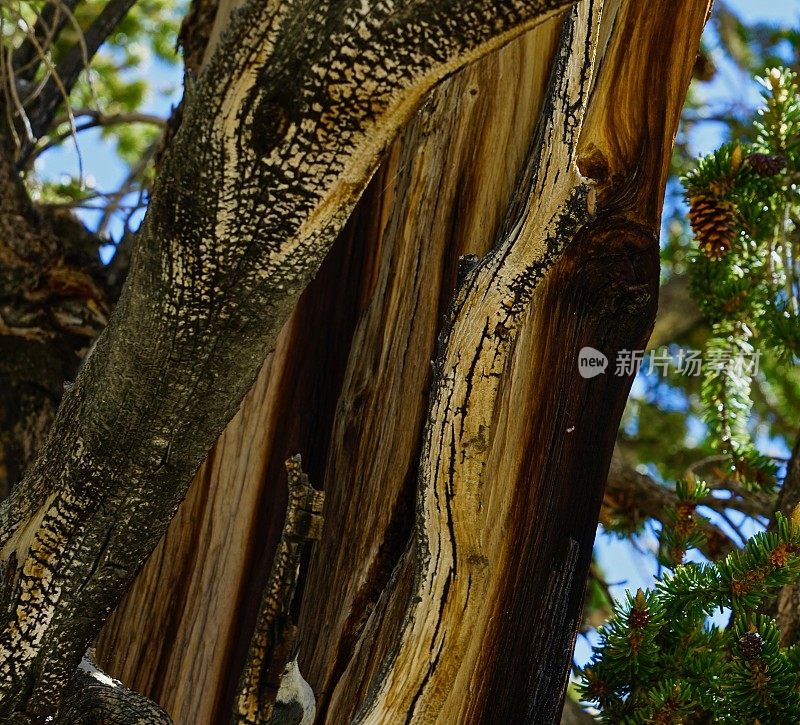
{"x": 348, "y": 387}
{"x": 280, "y": 134}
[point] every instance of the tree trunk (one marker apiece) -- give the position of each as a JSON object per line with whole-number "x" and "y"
{"x": 348, "y": 387}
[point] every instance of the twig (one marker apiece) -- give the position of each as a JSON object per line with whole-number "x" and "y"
{"x": 115, "y": 201}
{"x": 46, "y": 29}
{"x": 69, "y": 69}
{"x": 98, "y": 118}
{"x": 61, "y": 92}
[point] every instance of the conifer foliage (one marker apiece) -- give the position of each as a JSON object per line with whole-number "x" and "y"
{"x": 664, "y": 657}
{"x": 661, "y": 661}
{"x": 744, "y": 211}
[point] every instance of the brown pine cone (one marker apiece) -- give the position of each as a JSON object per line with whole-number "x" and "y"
{"x": 766, "y": 165}
{"x": 751, "y": 644}
{"x": 714, "y": 224}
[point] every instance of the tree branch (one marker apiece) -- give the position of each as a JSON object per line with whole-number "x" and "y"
{"x": 68, "y": 70}
{"x": 93, "y": 697}
{"x": 507, "y": 510}
{"x": 634, "y": 497}
{"x": 453, "y": 579}
{"x": 96, "y": 119}
{"x": 46, "y": 29}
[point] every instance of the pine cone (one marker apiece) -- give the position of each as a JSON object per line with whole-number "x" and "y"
{"x": 714, "y": 224}
{"x": 766, "y": 165}
{"x": 751, "y": 644}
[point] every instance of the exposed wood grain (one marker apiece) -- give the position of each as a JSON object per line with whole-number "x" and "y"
{"x": 524, "y": 670}
{"x": 463, "y": 557}
{"x": 281, "y": 133}
{"x": 181, "y": 633}
{"x": 442, "y": 194}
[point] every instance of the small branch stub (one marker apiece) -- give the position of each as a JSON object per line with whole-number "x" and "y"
{"x": 273, "y": 640}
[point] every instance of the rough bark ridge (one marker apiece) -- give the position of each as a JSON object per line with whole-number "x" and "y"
{"x": 91, "y": 696}
{"x": 272, "y": 645}
{"x": 280, "y": 135}
{"x": 539, "y": 497}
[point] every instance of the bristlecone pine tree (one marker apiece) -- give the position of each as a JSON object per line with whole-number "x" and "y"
{"x": 378, "y": 234}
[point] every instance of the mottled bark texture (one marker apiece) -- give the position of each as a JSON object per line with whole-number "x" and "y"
{"x": 93, "y": 698}
{"x": 440, "y": 194}
{"x": 442, "y": 185}
{"x": 280, "y": 134}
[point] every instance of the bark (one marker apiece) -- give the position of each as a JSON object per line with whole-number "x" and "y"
{"x": 359, "y": 427}
{"x": 631, "y": 498}
{"x": 275, "y": 632}
{"x": 357, "y": 424}
{"x": 53, "y": 302}
{"x": 91, "y": 697}
{"x": 277, "y": 142}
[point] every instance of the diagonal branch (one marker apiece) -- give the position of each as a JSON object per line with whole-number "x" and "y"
{"x": 634, "y": 497}
{"x": 96, "y": 119}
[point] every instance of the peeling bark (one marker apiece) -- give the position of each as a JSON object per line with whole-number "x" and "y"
{"x": 274, "y": 637}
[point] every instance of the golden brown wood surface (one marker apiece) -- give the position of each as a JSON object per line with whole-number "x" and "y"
{"x": 441, "y": 193}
